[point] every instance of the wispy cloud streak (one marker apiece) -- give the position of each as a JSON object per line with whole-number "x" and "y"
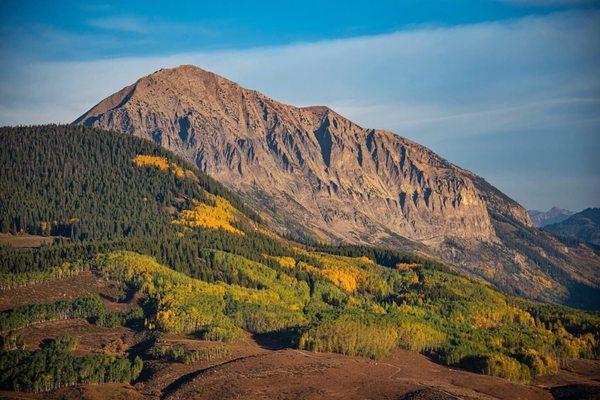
{"x": 123, "y": 24}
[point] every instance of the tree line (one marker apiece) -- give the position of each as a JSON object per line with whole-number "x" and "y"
{"x": 55, "y": 366}
{"x": 89, "y": 307}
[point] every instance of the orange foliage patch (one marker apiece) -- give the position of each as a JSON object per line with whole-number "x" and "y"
{"x": 482, "y": 322}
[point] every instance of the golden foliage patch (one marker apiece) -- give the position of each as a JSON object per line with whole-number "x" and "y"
{"x": 345, "y": 272}
{"x": 408, "y": 266}
{"x": 158, "y": 162}
{"x": 221, "y": 215}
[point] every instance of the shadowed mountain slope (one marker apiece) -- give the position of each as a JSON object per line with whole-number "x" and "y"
{"x": 584, "y": 226}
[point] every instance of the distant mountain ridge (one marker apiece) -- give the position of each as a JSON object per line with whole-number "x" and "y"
{"x": 584, "y": 226}
{"x": 552, "y": 216}
{"x": 317, "y": 175}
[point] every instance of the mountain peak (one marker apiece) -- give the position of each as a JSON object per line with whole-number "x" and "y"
{"x": 359, "y": 178}
{"x": 184, "y": 74}
{"x": 552, "y": 216}
{"x": 184, "y": 69}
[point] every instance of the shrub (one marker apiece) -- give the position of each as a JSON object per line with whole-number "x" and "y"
{"x": 498, "y": 365}
{"x": 180, "y": 353}
{"x": 225, "y": 332}
{"x": 54, "y": 367}
{"x": 115, "y": 347}
{"x": 132, "y": 318}
{"x": 65, "y": 343}
{"x": 419, "y": 337}
{"x": 12, "y": 341}
{"x": 538, "y": 363}
{"x": 347, "y": 335}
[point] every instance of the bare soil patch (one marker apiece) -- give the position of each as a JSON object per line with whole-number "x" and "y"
{"x": 160, "y": 376}
{"x": 91, "y": 337}
{"x": 69, "y": 288}
{"x": 573, "y": 372}
{"x": 293, "y": 374}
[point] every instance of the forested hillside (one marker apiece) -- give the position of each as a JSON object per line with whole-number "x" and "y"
{"x": 202, "y": 264}
{"x": 82, "y": 184}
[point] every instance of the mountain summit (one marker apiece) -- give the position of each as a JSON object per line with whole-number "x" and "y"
{"x": 552, "y": 216}
{"x": 315, "y": 174}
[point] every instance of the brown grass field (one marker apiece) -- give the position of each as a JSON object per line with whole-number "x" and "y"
{"x": 24, "y": 240}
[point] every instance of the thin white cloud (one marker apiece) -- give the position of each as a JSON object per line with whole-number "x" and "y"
{"x": 122, "y": 24}
{"x": 433, "y": 116}
{"x": 148, "y": 27}
{"x": 457, "y": 89}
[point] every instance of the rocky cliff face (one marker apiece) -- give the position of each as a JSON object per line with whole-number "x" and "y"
{"x": 315, "y": 173}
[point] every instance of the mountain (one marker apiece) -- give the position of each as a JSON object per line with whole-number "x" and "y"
{"x": 158, "y": 274}
{"x": 314, "y": 174}
{"x": 552, "y": 216}
{"x": 583, "y": 226}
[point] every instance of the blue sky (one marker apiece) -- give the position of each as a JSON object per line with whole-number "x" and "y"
{"x": 88, "y": 29}
{"x": 508, "y": 89}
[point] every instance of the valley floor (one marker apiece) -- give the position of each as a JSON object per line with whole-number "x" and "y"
{"x": 260, "y": 368}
